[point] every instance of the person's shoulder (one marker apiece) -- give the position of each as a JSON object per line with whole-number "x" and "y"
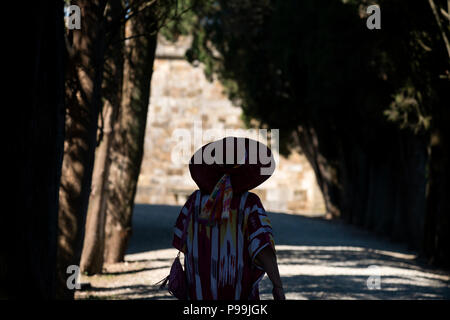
{"x": 253, "y": 199}
{"x": 192, "y": 196}
{"x": 194, "y": 192}
{"x": 252, "y": 196}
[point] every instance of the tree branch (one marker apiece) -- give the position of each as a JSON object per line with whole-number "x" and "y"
{"x": 438, "y": 21}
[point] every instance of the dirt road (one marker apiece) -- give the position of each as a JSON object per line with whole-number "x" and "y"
{"x": 318, "y": 259}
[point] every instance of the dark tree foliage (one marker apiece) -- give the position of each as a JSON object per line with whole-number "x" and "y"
{"x": 35, "y": 140}
{"x": 361, "y": 103}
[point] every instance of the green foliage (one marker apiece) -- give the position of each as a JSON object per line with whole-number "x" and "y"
{"x": 405, "y": 109}
{"x": 284, "y": 61}
{"x": 314, "y": 63}
{"x": 182, "y": 19}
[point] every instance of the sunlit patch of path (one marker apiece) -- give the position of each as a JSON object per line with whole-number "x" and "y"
{"x": 340, "y": 272}
{"x": 318, "y": 259}
{"x": 133, "y": 279}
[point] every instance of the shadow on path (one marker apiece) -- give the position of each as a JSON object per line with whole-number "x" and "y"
{"x": 318, "y": 259}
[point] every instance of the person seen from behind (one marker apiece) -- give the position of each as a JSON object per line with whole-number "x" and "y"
{"x": 223, "y": 230}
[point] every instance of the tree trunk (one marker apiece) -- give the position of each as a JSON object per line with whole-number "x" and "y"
{"x": 379, "y": 185}
{"x": 325, "y": 173}
{"x": 83, "y": 104}
{"x": 129, "y": 132}
{"x": 436, "y": 244}
{"x": 437, "y": 219}
{"x": 93, "y": 246}
{"x": 36, "y": 139}
{"x": 94, "y": 240}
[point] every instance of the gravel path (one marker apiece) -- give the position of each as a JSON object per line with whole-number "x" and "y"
{"x": 318, "y": 259}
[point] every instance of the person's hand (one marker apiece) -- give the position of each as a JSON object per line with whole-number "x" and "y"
{"x": 278, "y": 293}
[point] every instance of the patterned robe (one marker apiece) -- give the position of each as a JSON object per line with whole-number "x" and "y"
{"x": 219, "y": 257}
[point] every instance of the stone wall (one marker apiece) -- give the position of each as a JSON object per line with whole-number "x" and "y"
{"x": 182, "y": 98}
